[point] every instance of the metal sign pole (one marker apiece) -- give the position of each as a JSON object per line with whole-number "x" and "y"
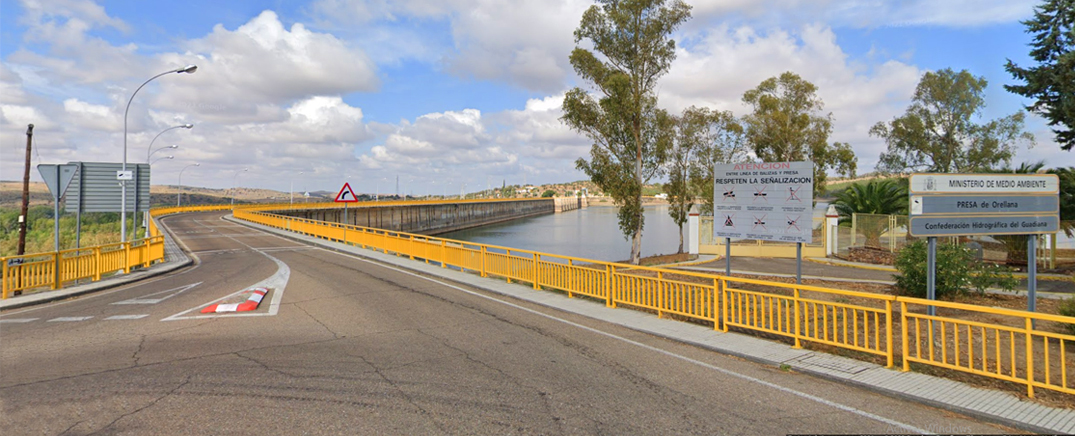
{"x": 931, "y": 274}
{"x": 798, "y": 263}
{"x": 728, "y": 257}
{"x": 56, "y": 212}
{"x": 1031, "y": 272}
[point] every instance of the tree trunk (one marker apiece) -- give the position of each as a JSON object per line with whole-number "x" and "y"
{"x": 636, "y": 246}
{"x": 680, "y": 239}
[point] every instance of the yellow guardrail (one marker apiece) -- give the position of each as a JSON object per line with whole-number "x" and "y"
{"x": 56, "y": 269}
{"x": 882, "y": 325}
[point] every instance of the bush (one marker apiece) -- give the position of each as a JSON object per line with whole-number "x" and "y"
{"x": 1067, "y": 308}
{"x": 957, "y": 272}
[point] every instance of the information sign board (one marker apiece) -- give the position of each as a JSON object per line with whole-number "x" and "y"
{"x": 770, "y": 201}
{"x": 939, "y": 183}
{"x": 984, "y": 204}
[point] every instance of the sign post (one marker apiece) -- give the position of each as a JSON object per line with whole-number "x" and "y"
{"x": 984, "y": 204}
{"x": 346, "y": 195}
{"x": 769, "y": 201}
{"x": 57, "y": 178}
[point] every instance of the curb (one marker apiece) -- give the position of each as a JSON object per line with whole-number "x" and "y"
{"x": 251, "y": 303}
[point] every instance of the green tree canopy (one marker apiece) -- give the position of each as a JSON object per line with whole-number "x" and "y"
{"x": 938, "y": 133}
{"x": 787, "y": 126}
{"x": 630, "y": 134}
{"x": 1052, "y": 82}
{"x": 719, "y": 138}
{"x": 877, "y": 197}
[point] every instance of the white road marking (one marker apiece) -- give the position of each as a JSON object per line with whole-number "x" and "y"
{"x": 70, "y": 319}
{"x": 171, "y": 293}
{"x": 125, "y": 317}
{"x": 275, "y": 283}
{"x": 18, "y": 320}
{"x": 748, "y": 378}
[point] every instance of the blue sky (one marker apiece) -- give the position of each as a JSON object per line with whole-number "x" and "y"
{"x": 444, "y": 93}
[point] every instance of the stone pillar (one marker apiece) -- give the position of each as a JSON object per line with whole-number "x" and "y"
{"x": 693, "y": 224}
{"x": 832, "y": 221}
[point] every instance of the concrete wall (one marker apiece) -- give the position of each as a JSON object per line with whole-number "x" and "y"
{"x": 564, "y": 204}
{"x": 429, "y": 218}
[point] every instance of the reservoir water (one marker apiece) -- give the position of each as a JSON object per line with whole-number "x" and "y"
{"x": 590, "y": 233}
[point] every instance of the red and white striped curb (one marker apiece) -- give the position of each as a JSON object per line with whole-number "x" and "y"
{"x": 253, "y": 299}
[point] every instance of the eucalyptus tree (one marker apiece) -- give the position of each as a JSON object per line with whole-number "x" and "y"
{"x": 938, "y": 133}
{"x": 720, "y": 138}
{"x": 630, "y": 134}
{"x": 1052, "y": 82}
{"x": 787, "y": 125}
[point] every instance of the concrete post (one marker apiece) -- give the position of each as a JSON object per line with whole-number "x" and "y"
{"x": 693, "y": 221}
{"x": 832, "y": 222}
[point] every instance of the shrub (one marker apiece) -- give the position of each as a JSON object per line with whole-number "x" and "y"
{"x": 1067, "y": 308}
{"x": 957, "y": 272}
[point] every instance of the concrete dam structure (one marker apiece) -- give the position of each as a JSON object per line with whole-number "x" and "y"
{"x": 435, "y": 217}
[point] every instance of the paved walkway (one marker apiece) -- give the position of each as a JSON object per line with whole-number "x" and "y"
{"x": 986, "y": 404}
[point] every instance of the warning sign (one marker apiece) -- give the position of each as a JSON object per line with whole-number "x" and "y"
{"x": 346, "y": 195}
{"x": 775, "y": 202}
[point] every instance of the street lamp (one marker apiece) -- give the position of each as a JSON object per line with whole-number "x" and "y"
{"x": 169, "y": 147}
{"x": 160, "y": 159}
{"x": 233, "y": 185}
{"x": 293, "y": 187}
{"x": 189, "y": 69}
{"x": 181, "y": 126}
{"x": 180, "y": 193}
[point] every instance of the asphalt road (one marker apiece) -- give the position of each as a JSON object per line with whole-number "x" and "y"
{"x": 350, "y": 346}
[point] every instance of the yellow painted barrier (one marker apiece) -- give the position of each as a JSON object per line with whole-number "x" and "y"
{"x": 850, "y": 320}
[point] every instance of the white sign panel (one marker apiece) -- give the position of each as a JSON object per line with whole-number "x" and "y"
{"x": 770, "y": 201}
{"x": 941, "y": 183}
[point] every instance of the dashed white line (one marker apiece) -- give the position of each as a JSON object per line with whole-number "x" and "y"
{"x": 18, "y": 320}
{"x": 125, "y": 317}
{"x": 70, "y": 319}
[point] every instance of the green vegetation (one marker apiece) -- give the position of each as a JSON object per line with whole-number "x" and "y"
{"x": 97, "y": 229}
{"x": 1067, "y": 308}
{"x": 1052, "y": 82}
{"x": 630, "y": 133}
{"x": 938, "y": 133}
{"x": 958, "y": 272}
{"x": 549, "y": 193}
{"x": 876, "y": 196}
{"x": 787, "y": 125}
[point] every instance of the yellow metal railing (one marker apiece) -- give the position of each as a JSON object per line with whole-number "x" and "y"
{"x": 882, "y": 325}
{"x": 56, "y": 269}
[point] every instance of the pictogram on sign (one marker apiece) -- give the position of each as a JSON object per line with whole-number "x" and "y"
{"x": 346, "y": 195}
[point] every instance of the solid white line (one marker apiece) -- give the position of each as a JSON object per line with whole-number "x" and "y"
{"x": 125, "y": 317}
{"x": 810, "y": 397}
{"x": 18, "y": 320}
{"x": 70, "y": 319}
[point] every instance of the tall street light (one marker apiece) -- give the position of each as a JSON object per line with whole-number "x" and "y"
{"x": 167, "y": 147}
{"x": 178, "y": 195}
{"x": 233, "y": 185}
{"x": 293, "y": 187}
{"x": 145, "y": 215}
{"x": 160, "y": 159}
{"x": 189, "y": 69}
{"x": 181, "y": 126}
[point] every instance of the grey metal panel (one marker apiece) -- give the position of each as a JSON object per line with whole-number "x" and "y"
{"x": 984, "y": 225}
{"x": 95, "y": 188}
{"x": 981, "y": 205}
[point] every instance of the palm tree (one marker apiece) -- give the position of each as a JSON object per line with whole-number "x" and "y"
{"x": 878, "y": 196}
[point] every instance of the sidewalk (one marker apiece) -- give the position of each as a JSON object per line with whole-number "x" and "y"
{"x": 989, "y": 405}
{"x": 174, "y": 259}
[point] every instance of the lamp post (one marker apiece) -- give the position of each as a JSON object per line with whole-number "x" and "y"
{"x": 168, "y": 147}
{"x": 178, "y": 195}
{"x": 233, "y": 185}
{"x": 181, "y": 126}
{"x": 160, "y": 159}
{"x": 293, "y": 187}
{"x": 190, "y": 69}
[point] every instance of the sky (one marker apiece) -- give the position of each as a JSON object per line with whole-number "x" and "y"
{"x": 444, "y": 95}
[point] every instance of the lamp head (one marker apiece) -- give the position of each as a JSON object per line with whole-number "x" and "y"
{"x": 197, "y": 164}
{"x": 188, "y": 126}
{"x": 174, "y": 146}
{"x": 188, "y": 69}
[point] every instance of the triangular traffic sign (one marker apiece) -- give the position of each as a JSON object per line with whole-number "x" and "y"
{"x": 346, "y": 195}
{"x": 57, "y": 177}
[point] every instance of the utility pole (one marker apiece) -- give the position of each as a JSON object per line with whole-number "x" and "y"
{"x": 25, "y": 193}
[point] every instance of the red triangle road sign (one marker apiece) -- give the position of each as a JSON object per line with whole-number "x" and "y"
{"x": 346, "y": 195}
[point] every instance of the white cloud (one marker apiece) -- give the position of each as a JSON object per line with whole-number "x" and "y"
{"x": 864, "y": 13}
{"x": 728, "y": 62}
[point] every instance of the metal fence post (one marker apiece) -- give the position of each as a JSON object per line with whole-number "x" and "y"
{"x": 484, "y": 273}
{"x": 660, "y": 294}
{"x": 126, "y": 257}
{"x": 537, "y": 261}
{"x": 97, "y": 263}
{"x": 610, "y": 271}
{"x": 1030, "y": 357}
{"x": 890, "y": 354}
{"x": 798, "y": 320}
{"x": 906, "y": 339}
